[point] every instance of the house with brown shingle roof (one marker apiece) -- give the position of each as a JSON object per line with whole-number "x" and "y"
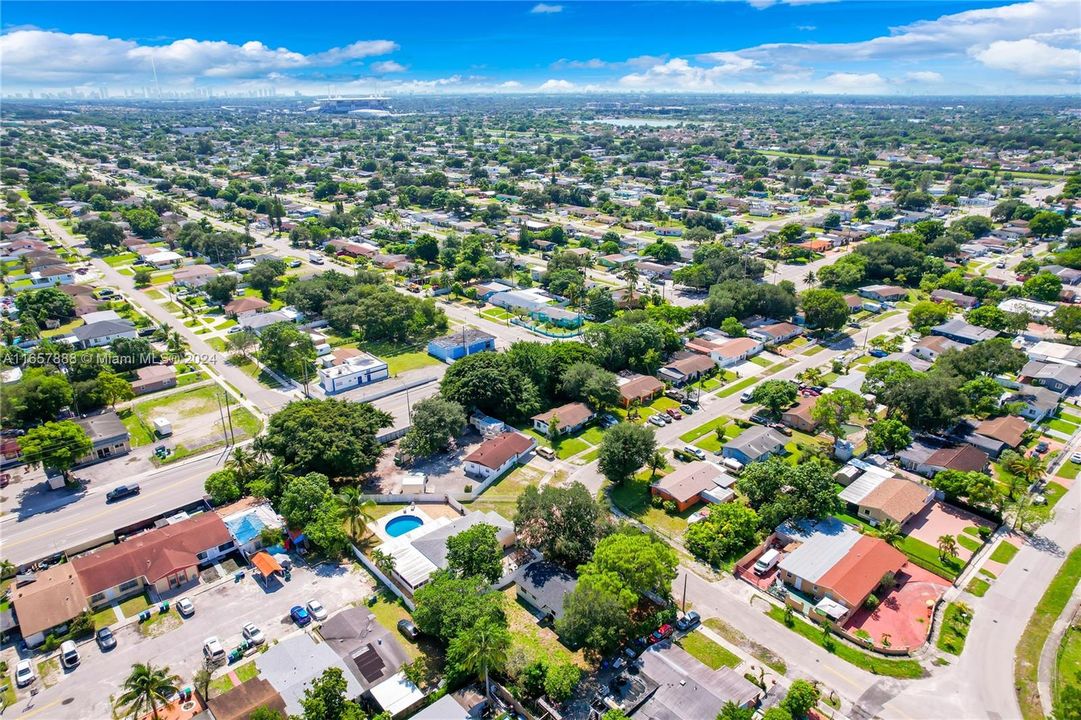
{"x": 571, "y": 418}
{"x": 687, "y": 369}
{"x": 240, "y": 702}
{"x": 498, "y": 454}
{"x": 895, "y": 499}
{"x": 964, "y": 458}
{"x": 799, "y": 417}
{"x": 49, "y": 603}
{"x": 1008, "y": 429}
{"x": 640, "y": 388}
{"x": 164, "y": 558}
{"x": 244, "y": 306}
{"x": 686, "y": 485}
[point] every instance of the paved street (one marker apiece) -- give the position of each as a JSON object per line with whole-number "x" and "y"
{"x": 220, "y": 610}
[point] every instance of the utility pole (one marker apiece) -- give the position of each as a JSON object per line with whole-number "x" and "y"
{"x": 229, "y": 417}
{"x": 221, "y": 414}
{"x": 684, "y": 608}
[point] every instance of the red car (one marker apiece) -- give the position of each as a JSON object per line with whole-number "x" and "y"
{"x": 674, "y": 414}
{"x": 660, "y": 633}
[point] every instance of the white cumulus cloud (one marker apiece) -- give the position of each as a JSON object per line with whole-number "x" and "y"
{"x": 1029, "y": 57}
{"x": 384, "y": 67}
{"x": 555, "y": 85}
{"x": 546, "y": 9}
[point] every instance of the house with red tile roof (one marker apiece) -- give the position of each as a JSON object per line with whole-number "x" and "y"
{"x": 498, "y": 454}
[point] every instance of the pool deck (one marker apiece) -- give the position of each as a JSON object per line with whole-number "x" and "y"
{"x": 380, "y": 526}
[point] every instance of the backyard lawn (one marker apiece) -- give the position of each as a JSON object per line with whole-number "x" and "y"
{"x": 400, "y": 358}
{"x": 502, "y": 496}
{"x": 708, "y": 652}
{"x": 533, "y": 641}
{"x": 633, "y": 498}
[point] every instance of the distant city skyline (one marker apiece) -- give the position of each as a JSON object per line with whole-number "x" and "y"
{"x": 884, "y": 47}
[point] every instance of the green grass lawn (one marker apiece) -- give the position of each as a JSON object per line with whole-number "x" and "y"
{"x": 1053, "y": 492}
{"x": 247, "y": 671}
{"x": 190, "y": 403}
{"x": 121, "y": 259}
{"x": 872, "y": 663}
{"x": 633, "y": 498}
{"x": 1062, "y": 426}
{"x": 496, "y": 313}
{"x": 1004, "y": 552}
{"x": 927, "y": 557}
{"x": 1067, "y": 675}
{"x": 708, "y": 652}
{"x": 571, "y": 446}
{"x": 502, "y": 496}
{"x": 737, "y": 386}
{"x": 1068, "y": 470}
{"x": 814, "y": 350}
{"x": 708, "y": 427}
{"x": 590, "y": 456}
{"x": 530, "y": 639}
{"x": 955, "y": 624}
{"x": 104, "y": 617}
{"x": 7, "y": 694}
{"x": 1027, "y": 656}
{"x": 400, "y": 358}
{"x": 141, "y": 433}
{"x": 978, "y": 587}
{"x": 593, "y": 435}
{"x": 133, "y": 606}
{"x": 63, "y": 329}
{"x": 968, "y": 542}
{"x": 245, "y": 422}
{"x": 759, "y": 652}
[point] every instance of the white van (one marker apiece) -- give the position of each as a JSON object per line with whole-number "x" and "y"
{"x": 733, "y": 466}
{"x": 162, "y": 427}
{"x": 546, "y": 452}
{"x": 213, "y": 651}
{"x": 766, "y": 562}
{"x": 315, "y": 258}
{"x": 69, "y": 654}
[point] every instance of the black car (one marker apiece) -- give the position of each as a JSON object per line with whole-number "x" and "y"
{"x": 121, "y": 492}
{"x": 106, "y": 639}
{"x": 407, "y": 628}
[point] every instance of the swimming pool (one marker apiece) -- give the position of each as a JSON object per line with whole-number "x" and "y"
{"x": 402, "y": 524}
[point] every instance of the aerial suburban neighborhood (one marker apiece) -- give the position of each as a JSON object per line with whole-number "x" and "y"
{"x": 548, "y": 402}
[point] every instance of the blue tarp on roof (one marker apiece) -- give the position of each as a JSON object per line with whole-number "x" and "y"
{"x": 245, "y": 528}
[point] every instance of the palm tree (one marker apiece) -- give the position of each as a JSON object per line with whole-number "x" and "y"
{"x": 889, "y": 531}
{"x": 656, "y": 462}
{"x": 357, "y": 509}
{"x": 947, "y": 546}
{"x": 244, "y": 464}
{"x": 810, "y": 278}
{"x": 145, "y": 689}
{"x": 1031, "y": 468}
{"x": 260, "y": 447}
{"x": 482, "y": 649}
{"x": 275, "y": 476}
{"x": 631, "y": 275}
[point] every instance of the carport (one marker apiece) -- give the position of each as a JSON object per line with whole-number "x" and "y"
{"x": 266, "y": 566}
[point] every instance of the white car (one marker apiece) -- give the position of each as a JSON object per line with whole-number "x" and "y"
{"x": 316, "y": 610}
{"x": 1076, "y": 458}
{"x": 656, "y": 420}
{"x": 253, "y": 634}
{"x": 185, "y": 607}
{"x": 24, "y": 673}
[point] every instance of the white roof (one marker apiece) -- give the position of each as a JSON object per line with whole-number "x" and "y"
{"x": 396, "y": 694}
{"x": 862, "y": 486}
{"x": 163, "y": 256}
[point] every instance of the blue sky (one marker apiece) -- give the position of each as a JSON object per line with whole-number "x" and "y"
{"x": 842, "y": 46}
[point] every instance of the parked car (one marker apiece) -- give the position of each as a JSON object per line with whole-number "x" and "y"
{"x": 69, "y": 654}
{"x": 24, "y": 673}
{"x": 253, "y": 634}
{"x": 660, "y": 633}
{"x": 317, "y": 611}
{"x": 854, "y": 324}
{"x": 781, "y": 428}
{"x": 767, "y": 561}
{"x": 692, "y": 450}
{"x": 656, "y": 420}
{"x": 878, "y": 353}
{"x": 106, "y": 639}
{"x": 674, "y": 394}
{"x": 1042, "y": 447}
{"x": 686, "y": 409}
{"x": 213, "y": 650}
{"x": 294, "y": 263}
{"x": 407, "y": 628}
{"x": 609, "y": 420}
{"x": 185, "y": 607}
{"x": 674, "y": 414}
{"x": 121, "y": 492}
{"x": 688, "y": 621}
{"x": 1076, "y": 458}
{"x": 300, "y": 615}
{"x": 745, "y": 396}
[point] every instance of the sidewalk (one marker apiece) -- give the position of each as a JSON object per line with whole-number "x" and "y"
{"x": 1048, "y": 656}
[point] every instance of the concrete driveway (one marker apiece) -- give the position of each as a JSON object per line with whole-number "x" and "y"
{"x": 220, "y": 610}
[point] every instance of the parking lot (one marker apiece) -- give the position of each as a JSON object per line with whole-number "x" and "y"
{"x": 220, "y": 610}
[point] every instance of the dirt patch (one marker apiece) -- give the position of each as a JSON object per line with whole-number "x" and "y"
{"x": 160, "y": 623}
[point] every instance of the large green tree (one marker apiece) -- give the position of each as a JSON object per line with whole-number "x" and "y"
{"x": 286, "y": 348}
{"x": 56, "y": 445}
{"x": 727, "y": 531}
{"x": 624, "y": 449}
{"x": 779, "y": 491}
{"x": 833, "y": 410}
{"x": 435, "y": 423}
{"x": 448, "y": 605}
{"x": 824, "y": 308}
{"x": 488, "y": 382}
{"x": 564, "y": 523}
{"x": 775, "y": 396}
{"x": 476, "y": 552}
{"x": 334, "y": 437}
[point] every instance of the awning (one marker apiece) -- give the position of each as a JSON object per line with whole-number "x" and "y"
{"x": 265, "y": 564}
{"x": 831, "y": 609}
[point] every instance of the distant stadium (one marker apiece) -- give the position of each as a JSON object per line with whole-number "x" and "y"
{"x": 372, "y": 106}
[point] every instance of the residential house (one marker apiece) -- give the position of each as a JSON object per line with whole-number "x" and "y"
{"x": 544, "y": 586}
{"x": 695, "y": 482}
{"x": 498, "y": 454}
{"x": 46, "y": 605}
{"x": 838, "y": 567}
{"x": 194, "y": 275}
{"x": 638, "y": 388}
{"x": 687, "y": 369}
{"x": 571, "y": 418}
{"x": 798, "y": 417}
{"x": 927, "y": 460}
{"x": 1037, "y": 403}
{"x": 963, "y": 332}
{"x": 242, "y": 700}
{"x": 723, "y": 351}
{"x": 362, "y": 369}
{"x": 884, "y": 293}
{"x": 370, "y": 651}
{"x": 457, "y": 345}
{"x": 103, "y": 332}
{"x": 776, "y": 333}
{"x": 107, "y": 434}
{"x": 246, "y": 520}
{"x": 930, "y": 347}
{"x": 1008, "y": 429}
{"x": 754, "y": 444}
{"x": 965, "y": 302}
{"x": 1061, "y": 379}
{"x": 52, "y": 275}
{"x": 153, "y": 378}
{"x": 1054, "y": 352}
{"x": 294, "y": 663}
{"x": 245, "y": 306}
{"x": 894, "y": 499}
{"x": 164, "y": 559}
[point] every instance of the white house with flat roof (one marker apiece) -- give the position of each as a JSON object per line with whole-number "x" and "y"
{"x": 355, "y": 371}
